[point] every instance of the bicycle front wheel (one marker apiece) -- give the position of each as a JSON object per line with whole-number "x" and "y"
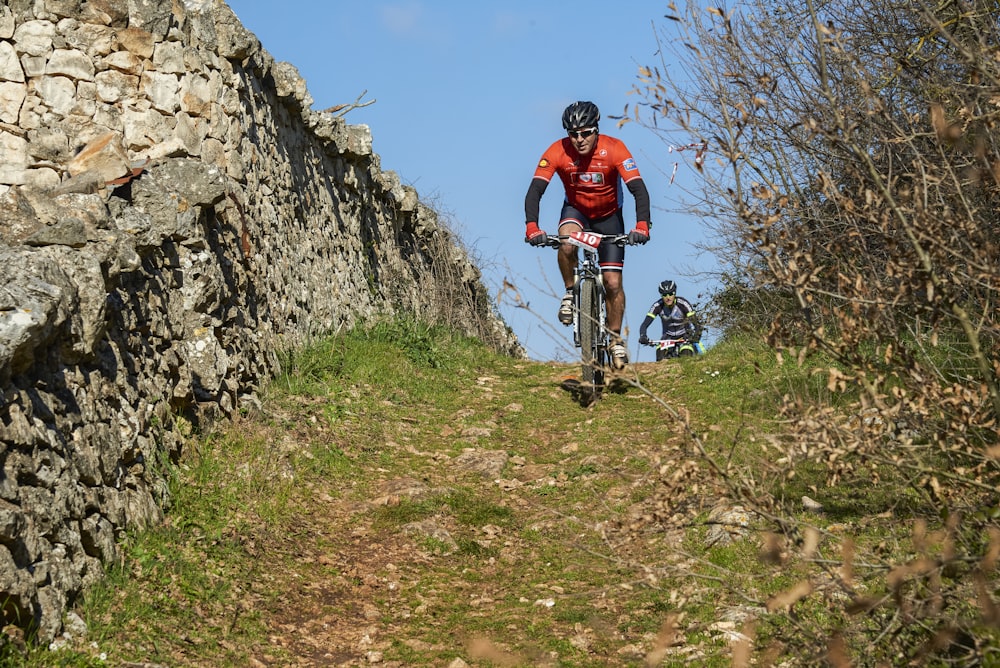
{"x": 589, "y": 333}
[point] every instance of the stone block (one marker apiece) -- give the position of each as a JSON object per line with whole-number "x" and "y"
{"x": 11, "y": 99}
{"x": 98, "y": 538}
{"x": 104, "y": 155}
{"x": 168, "y": 57}
{"x": 161, "y": 89}
{"x": 112, "y": 13}
{"x": 171, "y": 148}
{"x": 94, "y": 40}
{"x": 124, "y": 61}
{"x": 13, "y": 158}
{"x": 234, "y": 41}
{"x": 136, "y": 41}
{"x": 34, "y": 38}
{"x": 114, "y": 86}
{"x": 33, "y": 66}
{"x": 42, "y": 178}
{"x": 71, "y": 63}
{"x": 6, "y": 22}
{"x": 359, "y": 140}
{"x": 48, "y": 144}
{"x": 58, "y": 93}
{"x": 10, "y": 66}
{"x": 12, "y": 523}
{"x": 63, "y": 8}
{"x": 196, "y": 95}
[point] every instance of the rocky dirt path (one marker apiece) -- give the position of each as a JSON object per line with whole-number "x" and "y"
{"x": 386, "y": 570}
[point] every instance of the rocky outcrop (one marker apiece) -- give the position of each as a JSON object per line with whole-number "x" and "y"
{"x": 173, "y": 215}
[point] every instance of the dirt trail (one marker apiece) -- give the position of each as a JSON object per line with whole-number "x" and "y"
{"x": 582, "y": 490}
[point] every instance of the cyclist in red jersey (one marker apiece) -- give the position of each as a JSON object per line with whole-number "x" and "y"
{"x": 592, "y": 168}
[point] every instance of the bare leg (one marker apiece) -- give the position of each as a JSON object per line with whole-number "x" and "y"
{"x": 615, "y": 299}
{"x": 568, "y": 256}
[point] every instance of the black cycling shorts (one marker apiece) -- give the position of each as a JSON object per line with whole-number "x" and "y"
{"x": 610, "y": 256}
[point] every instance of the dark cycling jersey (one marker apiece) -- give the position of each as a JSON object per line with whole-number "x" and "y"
{"x": 679, "y": 320}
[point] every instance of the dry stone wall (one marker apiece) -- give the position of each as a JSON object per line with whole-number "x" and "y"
{"x": 173, "y": 214}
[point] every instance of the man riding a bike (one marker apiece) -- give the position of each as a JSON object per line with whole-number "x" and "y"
{"x": 592, "y": 168}
{"x": 677, "y": 316}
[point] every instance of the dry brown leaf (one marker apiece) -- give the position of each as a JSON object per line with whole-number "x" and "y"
{"x": 836, "y": 652}
{"x": 810, "y": 543}
{"x": 989, "y": 560}
{"x": 743, "y": 648}
{"x": 861, "y": 604}
{"x": 664, "y": 639}
{"x": 898, "y": 575}
{"x": 920, "y": 535}
{"x": 987, "y": 606}
{"x": 836, "y": 380}
{"x": 847, "y": 568}
{"x": 772, "y": 551}
{"x": 789, "y": 597}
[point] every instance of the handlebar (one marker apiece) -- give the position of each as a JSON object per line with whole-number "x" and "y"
{"x": 556, "y": 240}
{"x": 655, "y": 343}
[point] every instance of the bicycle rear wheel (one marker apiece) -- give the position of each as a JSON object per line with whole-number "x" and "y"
{"x": 590, "y": 349}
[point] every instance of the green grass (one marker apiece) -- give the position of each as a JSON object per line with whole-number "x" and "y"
{"x": 591, "y": 537}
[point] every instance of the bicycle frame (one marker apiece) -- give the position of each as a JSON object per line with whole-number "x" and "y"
{"x": 590, "y": 332}
{"x": 586, "y": 270}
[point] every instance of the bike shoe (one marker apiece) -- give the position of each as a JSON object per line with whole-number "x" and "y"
{"x": 619, "y": 355}
{"x": 566, "y": 309}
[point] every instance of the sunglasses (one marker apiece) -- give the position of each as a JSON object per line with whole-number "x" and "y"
{"x": 582, "y": 134}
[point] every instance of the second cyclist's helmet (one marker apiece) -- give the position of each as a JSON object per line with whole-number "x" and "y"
{"x": 581, "y": 115}
{"x": 668, "y": 287}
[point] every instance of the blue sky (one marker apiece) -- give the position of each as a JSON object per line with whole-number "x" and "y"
{"x": 467, "y": 97}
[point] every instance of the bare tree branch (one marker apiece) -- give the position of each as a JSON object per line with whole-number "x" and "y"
{"x": 339, "y": 110}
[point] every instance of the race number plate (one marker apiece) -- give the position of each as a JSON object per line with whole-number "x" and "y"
{"x": 585, "y": 240}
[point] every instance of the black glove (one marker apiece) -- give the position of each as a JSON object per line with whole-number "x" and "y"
{"x": 643, "y": 339}
{"x": 639, "y": 234}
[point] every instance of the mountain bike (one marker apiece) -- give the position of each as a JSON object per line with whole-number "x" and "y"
{"x": 590, "y": 332}
{"x": 667, "y": 348}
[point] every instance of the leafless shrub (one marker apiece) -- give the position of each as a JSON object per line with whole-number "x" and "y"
{"x": 852, "y": 175}
{"x": 457, "y": 298}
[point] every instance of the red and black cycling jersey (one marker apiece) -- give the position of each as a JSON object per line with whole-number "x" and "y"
{"x": 593, "y": 183}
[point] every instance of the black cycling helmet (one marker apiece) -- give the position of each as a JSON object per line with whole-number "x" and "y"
{"x": 668, "y": 287}
{"x": 581, "y": 115}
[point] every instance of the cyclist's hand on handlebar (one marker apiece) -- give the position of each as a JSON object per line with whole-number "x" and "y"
{"x": 640, "y": 234}
{"x": 535, "y": 236}
{"x": 643, "y": 339}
